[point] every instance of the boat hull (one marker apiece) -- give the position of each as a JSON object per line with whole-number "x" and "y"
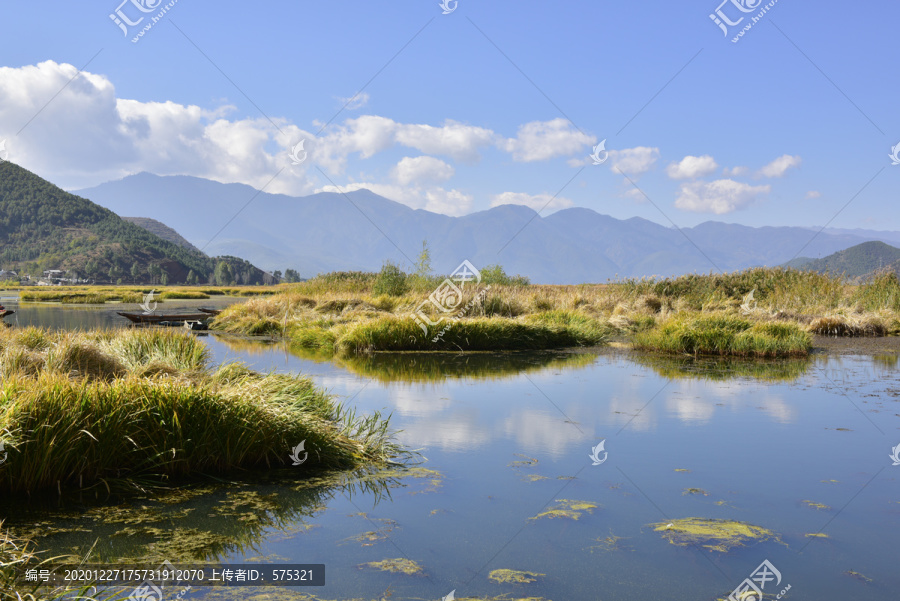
{"x": 160, "y": 317}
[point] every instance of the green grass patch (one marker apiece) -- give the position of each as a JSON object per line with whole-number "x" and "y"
{"x": 392, "y": 333}
{"x": 184, "y": 295}
{"x": 133, "y": 406}
{"x": 723, "y": 334}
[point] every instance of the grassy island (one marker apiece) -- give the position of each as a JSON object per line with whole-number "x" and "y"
{"x": 754, "y": 313}
{"x": 132, "y": 407}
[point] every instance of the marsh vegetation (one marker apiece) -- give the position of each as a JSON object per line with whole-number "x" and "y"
{"x": 753, "y": 313}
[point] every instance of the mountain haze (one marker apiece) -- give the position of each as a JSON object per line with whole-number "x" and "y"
{"x": 358, "y": 231}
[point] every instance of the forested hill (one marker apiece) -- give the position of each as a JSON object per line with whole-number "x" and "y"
{"x": 44, "y": 227}
{"x": 857, "y": 262}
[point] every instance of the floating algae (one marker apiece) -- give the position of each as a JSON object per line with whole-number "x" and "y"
{"x": 435, "y": 478}
{"x": 717, "y": 535}
{"x": 514, "y": 576}
{"x": 522, "y": 462}
{"x": 190, "y": 544}
{"x": 695, "y": 491}
{"x": 816, "y": 535}
{"x": 534, "y": 478}
{"x": 567, "y": 508}
{"x": 858, "y": 576}
{"x": 367, "y": 539}
{"x": 815, "y": 505}
{"x": 397, "y": 565}
{"x": 681, "y": 469}
{"x": 610, "y": 543}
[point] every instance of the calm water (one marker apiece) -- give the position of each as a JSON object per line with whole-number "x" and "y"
{"x": 508, "y": 436}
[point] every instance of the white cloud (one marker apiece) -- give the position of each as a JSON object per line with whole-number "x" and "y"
{"x": 421, "y": 169}
{"x": 448, "y": 202}
{"x": 354, "y": 102}
{"x": 634, "y": 194}
{"x": 634, "y": 162}
{"x": 409, "y": 196}
{"x": 691, "y": 167}
{"x": 535, "y": 201}
{"x": 453, "y": 139}
{"x": 719, "y": 197}
{"x": 366, "y": 135}
{"x": 735, "y": 171}
{"x": 434, "y": 199}
{"x": 813, "y": 194}
{"x": 779, "y": 166}
{"x": 114, "y": 137}
{"x": 543, "y": 140}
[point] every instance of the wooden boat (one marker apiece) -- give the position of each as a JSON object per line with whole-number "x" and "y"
{"x": 5, "y": 312}
{"x": 211, "y": 311}
{"x": 163, "y": 317}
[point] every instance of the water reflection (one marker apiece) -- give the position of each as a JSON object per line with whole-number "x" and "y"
{"x": 436, "y": 367}
{"x": 723, "y": 368}
{"x": 201, "y": 521}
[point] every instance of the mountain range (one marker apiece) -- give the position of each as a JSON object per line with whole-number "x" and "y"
{"x": 359, "y": 230}
{"x": 43, "y": 227}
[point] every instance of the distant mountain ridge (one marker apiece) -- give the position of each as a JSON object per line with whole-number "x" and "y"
{"x": 358, "y": 231}
{"x": 857, "y": 262}
{"x": 162, "y": 230}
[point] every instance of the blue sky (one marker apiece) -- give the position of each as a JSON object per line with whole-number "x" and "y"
{"x": 493, "y": 103}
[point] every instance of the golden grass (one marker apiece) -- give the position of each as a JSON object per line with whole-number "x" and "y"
{"x": 774, "y": 311}
{"x": 125, "y": 406}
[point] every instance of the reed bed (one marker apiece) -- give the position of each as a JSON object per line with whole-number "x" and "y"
{"x": 104, "y": 408}
{"x": 723, "y": 334}
{"x": 340, "y": 314}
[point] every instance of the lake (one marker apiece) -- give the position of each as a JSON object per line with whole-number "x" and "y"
{"x": 798, "y": 447}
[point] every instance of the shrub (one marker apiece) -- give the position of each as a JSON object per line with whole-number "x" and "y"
{"x": 494, "y": 275}
{"x": 391, "y": 281}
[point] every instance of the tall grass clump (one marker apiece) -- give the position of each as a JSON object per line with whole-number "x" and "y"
{"x": 724, "y": 334}
{"x": 472, "y": 334}
{"x": 128, "y": 407}
{"x": 882, "y": 292}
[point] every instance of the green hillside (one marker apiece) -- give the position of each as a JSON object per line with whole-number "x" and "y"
{"x": 162, "y": 230}
{"x": 44, "y": 227}
{"x": 856, "y": 262}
